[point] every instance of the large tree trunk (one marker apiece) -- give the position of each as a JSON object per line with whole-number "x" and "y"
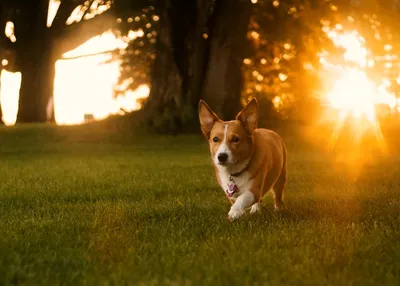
{"x": 35, "y": 60}
{"x": 196, "y": 53}
{"x": 37, "y": 86}
{"x": 168, "y": 106}
{"x": 224, "y": 77}
{"x": 38, "y": 48}
{"x": 1, "y": 110}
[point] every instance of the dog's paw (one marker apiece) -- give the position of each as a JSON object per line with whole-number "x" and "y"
{"x": 234, "y": 214}
{"x": 255, "y": 208}
{"x": 279, "y": 207}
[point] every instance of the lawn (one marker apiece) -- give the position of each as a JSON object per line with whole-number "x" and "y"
{"x": 104, "y": 204}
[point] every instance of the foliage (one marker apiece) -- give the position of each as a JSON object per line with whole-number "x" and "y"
{"x": 140, "y": 31}
{"x": 286, "y": 40}
{"x": 286, "y": 37}
{"x": 31, "y": 44}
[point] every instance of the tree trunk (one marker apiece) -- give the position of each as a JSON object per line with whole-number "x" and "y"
{"x": 168, "y": 105}
{"x": 224, "y": 80}
{"x": 196, "y": 53}
{"x": 35, "y": 60}
{"x": 37, "y": 85}
{"x": 1, "y": 110}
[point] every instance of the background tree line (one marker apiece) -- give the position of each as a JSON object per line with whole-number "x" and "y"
{"x": 224, "y": 51}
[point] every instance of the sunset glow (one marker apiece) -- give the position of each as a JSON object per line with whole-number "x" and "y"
{"x": 85, "y": 85}
{"x": 349, "y": 90}
{"x": 85, "y": 77}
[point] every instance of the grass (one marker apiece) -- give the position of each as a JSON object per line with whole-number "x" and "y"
{"x": 93, "y": 205}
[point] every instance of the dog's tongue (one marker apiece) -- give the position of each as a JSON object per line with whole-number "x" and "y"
{"x": 232, "y": 188}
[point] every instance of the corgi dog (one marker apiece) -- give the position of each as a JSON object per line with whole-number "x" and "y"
{"x": 248, "y": 161}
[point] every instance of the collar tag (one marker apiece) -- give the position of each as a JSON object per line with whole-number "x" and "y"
{"x": 232, "y": 188}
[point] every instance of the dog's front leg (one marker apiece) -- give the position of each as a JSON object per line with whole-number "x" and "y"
{"x": 243, "y": 202}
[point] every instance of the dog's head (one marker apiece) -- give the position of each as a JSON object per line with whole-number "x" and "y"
{"x": 231, "y": 142}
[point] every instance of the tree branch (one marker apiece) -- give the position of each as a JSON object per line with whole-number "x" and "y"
{"x": 76, "y": 34}
{"x": 64, "y": 11}
{"x": 91, "y": 55}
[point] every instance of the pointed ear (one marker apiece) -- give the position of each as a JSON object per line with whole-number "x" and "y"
{"x": 249, "y": 115}
{"x": 207, "y": 118}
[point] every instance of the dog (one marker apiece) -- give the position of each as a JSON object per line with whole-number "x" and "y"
{"x": 248, "y": 161}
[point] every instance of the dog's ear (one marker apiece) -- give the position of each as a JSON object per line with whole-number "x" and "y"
{"x": 207, "y": 118}
{"x": 249, "y": 115}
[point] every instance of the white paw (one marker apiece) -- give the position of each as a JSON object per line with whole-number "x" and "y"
{"x": 278, "y": 207}
{"x": 235, "y": 213}
{"x": 255, "y": 208}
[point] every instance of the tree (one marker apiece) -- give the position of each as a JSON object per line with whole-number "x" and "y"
{"x": 198, "y": 54}
{"x": 38, "y": 46}
{"x": 225, "y": 51}
{"x": 286, "y": 38}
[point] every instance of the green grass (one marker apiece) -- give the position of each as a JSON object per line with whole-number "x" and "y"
{"x": 93, "y": 205}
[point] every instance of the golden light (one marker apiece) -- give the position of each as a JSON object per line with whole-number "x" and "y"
{"x": 354, "y": 94}
{"x": 85, "y": 79}
{"x": 371, "y": 63}
{"x": 349, "y": 90}
{"x": 9, "y": 90}
{"x": 388, "y": 47}
{"x": 338, "y": 27}
{"x": 255, "y": 35}
{"x": 254, "y": 1}
{"x": 85, "y": 85}
{"x": 275, "y": 3}
{"x": 308, "y": 66}
{"x": 388, "y": 65}
{"x": 282, "y": 76}
{"x": 353, "y": 43}
{"x": 53, "y": 8}
{"x": 350, "y": 19}
{"x": 9, "y": 31}
{"x": 277, "y": 101}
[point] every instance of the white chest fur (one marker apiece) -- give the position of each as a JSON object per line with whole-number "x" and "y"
{"x": 243, "y": 182}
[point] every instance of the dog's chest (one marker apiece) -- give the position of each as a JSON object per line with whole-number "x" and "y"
{"x": 242, "y": 182}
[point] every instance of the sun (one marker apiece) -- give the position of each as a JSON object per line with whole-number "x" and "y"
{"x": 354, "y": 94}
{"x": 349, "y": 90}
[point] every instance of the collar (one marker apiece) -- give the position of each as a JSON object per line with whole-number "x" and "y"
{"x": 241, "y": 171}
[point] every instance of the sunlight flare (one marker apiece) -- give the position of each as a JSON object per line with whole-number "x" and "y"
{"x": 349, "y": 89}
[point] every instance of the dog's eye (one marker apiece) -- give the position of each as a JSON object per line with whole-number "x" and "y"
{"x": 215, "y": 139}
{"x": 235, "y": 139}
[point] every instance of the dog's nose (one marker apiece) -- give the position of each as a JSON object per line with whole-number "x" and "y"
{"x": 222, "y": 157}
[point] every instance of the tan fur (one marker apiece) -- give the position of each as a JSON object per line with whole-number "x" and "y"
{"x": 268, "y": 165}
{"x": 263, "y": 149}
